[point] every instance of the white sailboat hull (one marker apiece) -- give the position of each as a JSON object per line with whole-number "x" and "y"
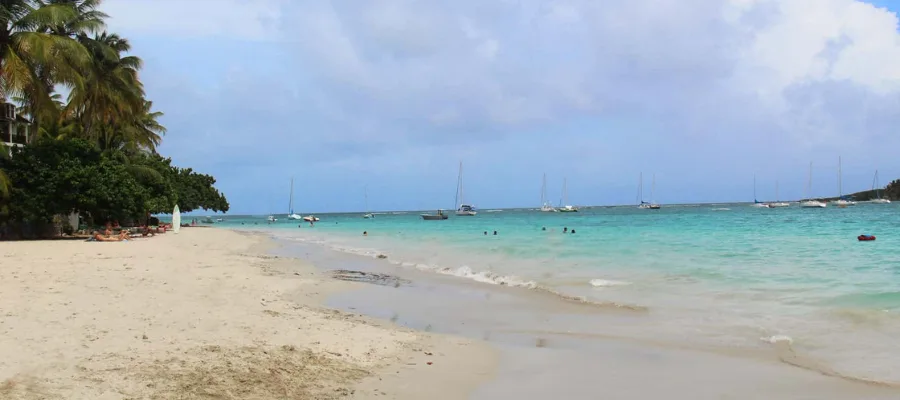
{"x": 843, "y": 203}
{"x": 812, "y": 204}
{"x": 294, "y": 217}
{"x": 466, "y": 213}
{"x": 880, "y": 201}
{"x": 779, "y": 205}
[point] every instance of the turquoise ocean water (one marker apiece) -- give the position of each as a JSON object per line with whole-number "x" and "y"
{"x": 711, "y": 275}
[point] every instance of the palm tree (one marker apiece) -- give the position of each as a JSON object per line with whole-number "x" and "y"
{"x": 87, "y": 18}
{"x": 111, "y": 92}
{"x": 144, "y": 130}
{"x": 25, "y": 50}
{"x": 65, "y": 68}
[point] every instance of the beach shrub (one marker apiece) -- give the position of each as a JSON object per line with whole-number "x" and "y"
{"x": 892, "y": 191}
{"x": 195, "y": 191}
{"x": 183, "y": 186}
{"x": 58, "y": 177}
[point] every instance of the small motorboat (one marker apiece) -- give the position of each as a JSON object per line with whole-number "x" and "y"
{"x": 311, "y": 218}
{"x": 435, "y": 217}
{"x": 270, "y": 219}
{"x": 865, "y": 238}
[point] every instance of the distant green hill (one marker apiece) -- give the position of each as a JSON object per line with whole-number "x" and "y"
{"x": 890, "y": 192}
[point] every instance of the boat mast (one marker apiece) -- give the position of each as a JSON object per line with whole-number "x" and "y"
{"x": 565, "y": 196}
{"x": 544, "y": 190}
{"x": 366, "y": 194}
{"x": 875, "y": 185}
{"x": 462, "y": 199}
{"x": 291, "y": 203}
{"x": 641, "y": 188}
{"x": 653, "y": 190}
{"x": 840, "y": 175}
{"x": 809, "y": 183}
{"x": 459, "y": 188}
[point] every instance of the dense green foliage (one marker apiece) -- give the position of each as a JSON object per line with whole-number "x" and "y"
{"x": 171, "y": 185}
{"x": 95, "y": 151}
{"x": 892, "y": 191}
{"x": 57, "y": 177}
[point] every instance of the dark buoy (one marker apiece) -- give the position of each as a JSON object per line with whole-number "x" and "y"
{"x": 865, "y": 238}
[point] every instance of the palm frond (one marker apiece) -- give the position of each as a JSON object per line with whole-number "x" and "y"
{"x": 47, "y": 15}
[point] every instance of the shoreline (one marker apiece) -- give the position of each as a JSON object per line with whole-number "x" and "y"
{"x": 552, "y": 347}
{"x": 829, "y": 330}
{"x": 242, "y": 314}
{"x": 205, "y": 313}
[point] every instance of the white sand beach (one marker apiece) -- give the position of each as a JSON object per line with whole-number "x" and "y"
{"x": 204, "y": 314}
{"x": 210, "y": 313}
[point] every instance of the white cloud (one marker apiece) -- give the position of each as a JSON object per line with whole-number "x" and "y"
{"x": 237, "y": 19}
{"x": 695, "y": 79}
{"x": 510, "y": 63}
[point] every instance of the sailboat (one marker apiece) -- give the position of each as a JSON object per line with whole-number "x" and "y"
{"x": 545, "y": 204}
{"x": 757, "y": 203}
{"x": 876, "y": 188}
{"x": 462, "y": 209}
{"x": 841, "y": 202}
{"x": 778, "y": 203}
{"x": 643, "y": 204}
{"x": 291, "y": 214}
{"x": 367, "y": 214}
{"x": 564, "y": 206}
{"x": 811, "y": 203}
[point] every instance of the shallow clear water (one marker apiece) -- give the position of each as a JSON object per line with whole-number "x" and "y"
{"x": 728, "y": 275}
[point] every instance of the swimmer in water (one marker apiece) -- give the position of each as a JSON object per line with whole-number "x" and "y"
{"x": 566, "y": 230}
{"x": 495, "y": 233}
{"x": 365, "y": 233}
{"x": 573, "y": 231}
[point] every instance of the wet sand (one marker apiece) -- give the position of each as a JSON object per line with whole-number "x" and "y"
{"x": 206, "y": 313}
{"x": 552, "y": 348}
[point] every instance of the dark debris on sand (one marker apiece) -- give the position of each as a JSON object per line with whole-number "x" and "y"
{"x": 368, "y": 277}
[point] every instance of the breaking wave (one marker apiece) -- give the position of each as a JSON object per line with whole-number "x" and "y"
{"x": 486, "y": 277}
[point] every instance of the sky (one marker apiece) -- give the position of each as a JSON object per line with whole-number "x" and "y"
{"x": 388, "y": 97}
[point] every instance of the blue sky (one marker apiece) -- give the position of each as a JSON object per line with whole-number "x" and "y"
{"x": 392, "y": 94}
